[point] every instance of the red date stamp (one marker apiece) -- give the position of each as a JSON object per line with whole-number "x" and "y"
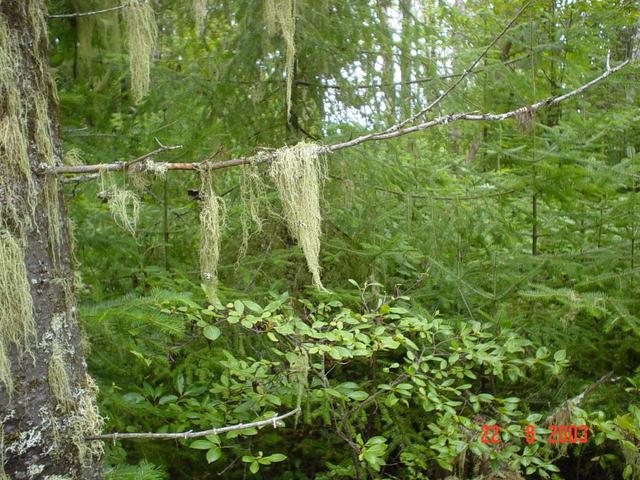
{"x": 558, "y": 434}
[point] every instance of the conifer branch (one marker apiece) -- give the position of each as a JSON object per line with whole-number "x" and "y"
{"x": 190, "y": 434}
{"x": 86, "y": 14}
{"x": 270, "y": 155}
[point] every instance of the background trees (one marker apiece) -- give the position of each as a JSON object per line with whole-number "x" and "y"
{"x": 487, "y": 257}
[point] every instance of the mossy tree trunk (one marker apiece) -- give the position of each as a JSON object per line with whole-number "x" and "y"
{"x": 46, "y": 397}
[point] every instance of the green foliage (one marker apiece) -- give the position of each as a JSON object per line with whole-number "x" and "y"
{"x": 495, "y": 265}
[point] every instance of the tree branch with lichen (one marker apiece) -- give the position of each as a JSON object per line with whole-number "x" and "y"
{"x": 270, "y": 155}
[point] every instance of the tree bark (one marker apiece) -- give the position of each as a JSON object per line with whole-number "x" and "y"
{"x": 48, "y": 405}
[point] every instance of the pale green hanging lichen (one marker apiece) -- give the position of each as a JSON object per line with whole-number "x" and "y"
{"x": 125, "y": 209}
{"x": 123, "y": 204}
{"x": 14, "y": 159}
{"x": 43, "y": 136}
{"x": 85, "y": 422}
{"x": 58, "y": 378}
{"x": 299, "y": 173}
{"x": 142, "y": 33}
{"x": 199, "y": 9}
{"x": 17, "y": 325}
{"x": 300, "y": 371}
{"x": 212, "y": 217}
{"x": 280, "y": 17}
{"x": 252, "y": 192}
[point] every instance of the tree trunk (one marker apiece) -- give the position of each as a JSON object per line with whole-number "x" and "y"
{"x": 47, "y": 400}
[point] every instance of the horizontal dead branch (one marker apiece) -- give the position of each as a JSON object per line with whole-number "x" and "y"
{"x": 86, "y": 14}
{"x": 190, "y": 434}
{"x": 267, "y": 156}
{"x": 118, "y": 165}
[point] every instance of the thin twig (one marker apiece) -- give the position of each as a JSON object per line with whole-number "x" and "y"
{"x": 190, "y": 434}
{"x": 464, "y": 75}
{"x": 86, "y": 14}
{"x": 268, "y": 156}
{"x": 448, "y": 198}
{"x": 415, "y": 81}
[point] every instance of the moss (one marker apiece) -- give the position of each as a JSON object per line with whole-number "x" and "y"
{"x": 142, "y": 33}
{"x": 298, "y": 173}
{"x": 17, "y": 325}
{"x": 211, "y": 223}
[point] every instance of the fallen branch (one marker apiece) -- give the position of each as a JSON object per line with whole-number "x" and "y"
{"x": 190, "y": 434}
{"x": 85, "y": 14}
{"x": 267, "y": 156}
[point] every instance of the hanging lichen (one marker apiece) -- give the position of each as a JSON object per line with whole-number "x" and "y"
{"x": 14, "y": 160}
{"x": 211, "y": 223}
{"x": 281, "y": 15}
{"x": 199, "y": 9}
{"x": 300, "y": 372}
{"x": 73, "y": 157}
{"x": 142, "y": 33}
{"x": 17, "y": 325}
{"x": 125, "y": 209}
{"x": 58, "y": 378}
{"x": 85, "y": 422}
{"x": 298, "y": 173}
{"x": 123, "y": 204}
{"x": 84, "y": 28}
{"x": 252, "y": 191}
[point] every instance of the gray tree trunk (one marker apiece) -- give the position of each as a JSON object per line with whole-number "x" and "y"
{"x": 47, "y": 400}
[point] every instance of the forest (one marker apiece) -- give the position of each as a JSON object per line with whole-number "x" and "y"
{"x": 319, "y": 239}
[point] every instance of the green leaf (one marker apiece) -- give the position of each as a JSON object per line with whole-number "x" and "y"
{"x": 202, "y": 445}
{"x": 542, "y": 352}
{"x": 277, "y": 457}
{"x": 358, "y": 395}
{"x": 239, "y": 306}
{"x": 214, "y": 454}
{"x": 167, "y": 399}
{"x": 560, "y": 355}
{"x": 211, "y": 332}
{"x": 255, "y": 466}
{"x": 254, "y": 307}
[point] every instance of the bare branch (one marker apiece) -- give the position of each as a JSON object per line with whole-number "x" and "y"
{"x": 86, "y": 14}
{"x": 117, "y": 165}
{"x": 464, "y": 75}
{"x": 476, "y": 117}
{"x": 267, "y": 156}
{"x": 190, "y": 434}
